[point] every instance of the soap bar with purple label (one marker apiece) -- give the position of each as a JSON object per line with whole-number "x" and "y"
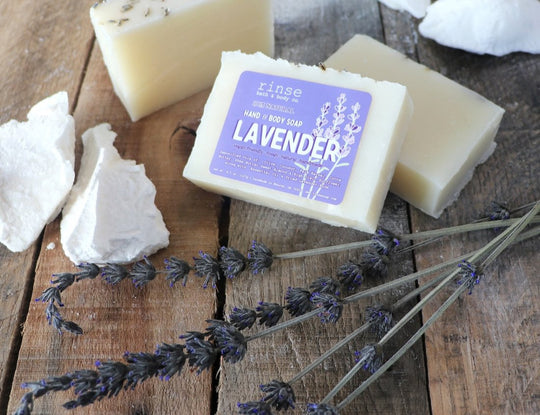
{"x": 308, "y": 140}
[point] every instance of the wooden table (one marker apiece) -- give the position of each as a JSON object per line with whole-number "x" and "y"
{"x": 482, "y": 357}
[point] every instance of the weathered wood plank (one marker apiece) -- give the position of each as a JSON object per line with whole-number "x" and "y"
{"x": 120, "y": 318}
{"x": 33, "y": 66}
{"x": 479, "y": 355}
{"x": 309, "y": 32}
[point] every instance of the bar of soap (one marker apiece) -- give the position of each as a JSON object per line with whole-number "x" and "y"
{"x": 110, "y": 215}
{"x": 160, "y": 52}
{"x": 451, "y": 132}
{"x": 319, "y": 143}
{"x": 37, "y": 159}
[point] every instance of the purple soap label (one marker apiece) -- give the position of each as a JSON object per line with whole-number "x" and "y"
{"x": 295, "y": 136}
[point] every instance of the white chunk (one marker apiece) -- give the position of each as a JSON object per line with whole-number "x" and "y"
{"x": 495, "y": 27}
{"x": 159, "y": 52}
{"x": 110, "y": 215}
{"x": 319, "y": 143}
{"x": 36, "y": 170}
{"x": 451, "y": 131}
{"x": 415, "y": 7}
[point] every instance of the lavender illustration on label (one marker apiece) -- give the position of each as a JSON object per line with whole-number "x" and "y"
{"x": 340, "y": 150}
{"x": 292, "y": 136}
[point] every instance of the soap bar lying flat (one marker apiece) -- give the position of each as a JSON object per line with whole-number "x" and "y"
{"x": 159, "y": 52}
{"x": 315, "y": 142}
{"x": 36, "y": 170}
{"x": 110, "y": 215}
{"x": 452, "y": 129}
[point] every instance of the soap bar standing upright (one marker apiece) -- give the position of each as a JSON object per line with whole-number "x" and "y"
{"x": 452, "y": 129}
{"x": 320, "y": 143}
{"x": 160, "y": 52}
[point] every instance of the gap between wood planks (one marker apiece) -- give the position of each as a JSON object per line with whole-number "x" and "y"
{"x": 11, "y": 363}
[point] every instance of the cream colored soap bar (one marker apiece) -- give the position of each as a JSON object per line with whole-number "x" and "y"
{"x": 452, "y": 129}
{"x": 159, "y": 52}
{"x": 319, "y": 143}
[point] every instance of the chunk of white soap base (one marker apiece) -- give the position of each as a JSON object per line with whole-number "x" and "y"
{"x": 160, "y": 52}
{"x": 495, "y": 27}
{"x": 452, "y": 128}
{"x": 36, "y": 170}
{"x": 110, "y": 216}
{"x": 251, "y": 130}
{"x": 415, "y": 7}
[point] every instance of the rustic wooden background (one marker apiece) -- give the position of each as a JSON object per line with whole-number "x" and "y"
{"x": 483, "y": 357}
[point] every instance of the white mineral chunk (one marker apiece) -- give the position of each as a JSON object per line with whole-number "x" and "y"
{"x": 495, "y": 27}
{"x": 36, "y": 170}
{"x": 415, "y": 7}
{"x": 110, "y": 215}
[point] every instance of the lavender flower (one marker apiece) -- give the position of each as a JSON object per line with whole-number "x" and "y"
{"x": 55, "y": 319}
{"x": 371, "y": 360}
{"x": 142, "y": 366}
{"x": 84, "y": 380}
{"x": 375, "y": 264}
{"x": 298, "y": 301}
{"x": 63, "y": 280}
{"x": 321, "y": 409}
{"x": 254, "y": 408}
{"x": 498, "y": 212}
{"x": 114, "y": 273}
{"x": 280, "y": 395}
{"x": 173, "y": 359}
{"x": 269, "y": 314}
{"x": 330, "y": 305}
{"x": 469, "y": 275}
{"x": 89, "y": 271}
{"x": 208, "y": 267}
{"x": 385, "y": 242}
{"x": 350, "y": 275}
{"x": 201, "y": 353}
{"x": 231, "y": 343}
{"x": 242, "y": 318}
{"x": 325, "y": 285}
{"x": 177, "y": 269}
{"x": 142, "y": 273}
{"x": 27, "y": 404}
{"x": 111, "y": 377}
{"x": 260, "y": 257}
{"x": 51, "y": 294}
{"x": 232, "y": 262}
{"x": 380, "y": 319}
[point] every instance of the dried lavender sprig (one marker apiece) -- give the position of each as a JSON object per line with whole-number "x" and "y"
{"x": 498, "y": 244}
{"x": 453, "y": 230}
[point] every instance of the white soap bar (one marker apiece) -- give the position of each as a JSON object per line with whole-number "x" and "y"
{"x": 36, "y": 170}
{"x": 315, "y": 142}
{"x": 496, "y": 27}
{"x": 415, "y": 7}
{"x": 110, "y": 215}
{"x": 452, "y": 129}
{"x": 160, "y": 52}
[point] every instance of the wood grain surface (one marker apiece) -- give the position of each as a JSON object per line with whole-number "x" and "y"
{"x": 482, "y": 357}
